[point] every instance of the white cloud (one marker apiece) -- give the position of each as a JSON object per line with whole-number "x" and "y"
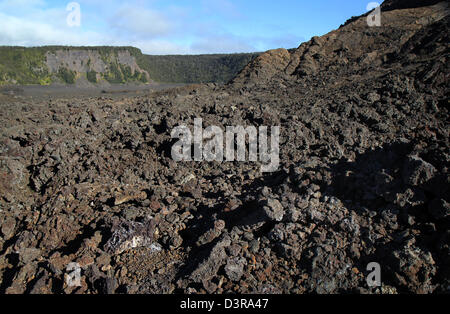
{"x": 139, "y": 22}
{"x": 29, "y": 32}
{"x": 177, "y": 30}
{"x": 38, "y": 26}
{"x": 221, "y": 44}
{"x": 161, "y": 47}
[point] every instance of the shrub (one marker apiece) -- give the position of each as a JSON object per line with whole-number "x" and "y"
{"x": 67, "y": 75}
{"x": 92, "y": 76}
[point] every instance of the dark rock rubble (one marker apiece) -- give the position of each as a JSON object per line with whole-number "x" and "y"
{"x": 363, "y": 175}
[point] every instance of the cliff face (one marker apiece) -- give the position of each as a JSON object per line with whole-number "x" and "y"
{"x": 69, "y": 65}
{"x": 86, "y": 65}
{"x": 210, "y": 68}
{"x": 114, "y": 66}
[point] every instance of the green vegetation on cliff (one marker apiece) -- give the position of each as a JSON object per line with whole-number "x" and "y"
{"x": 92, "y": 76}
{"x": 67, "y": 75}
{"x": 20, "y": 65}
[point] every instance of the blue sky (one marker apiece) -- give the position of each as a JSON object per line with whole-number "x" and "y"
{"x": 175, "y": 26}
